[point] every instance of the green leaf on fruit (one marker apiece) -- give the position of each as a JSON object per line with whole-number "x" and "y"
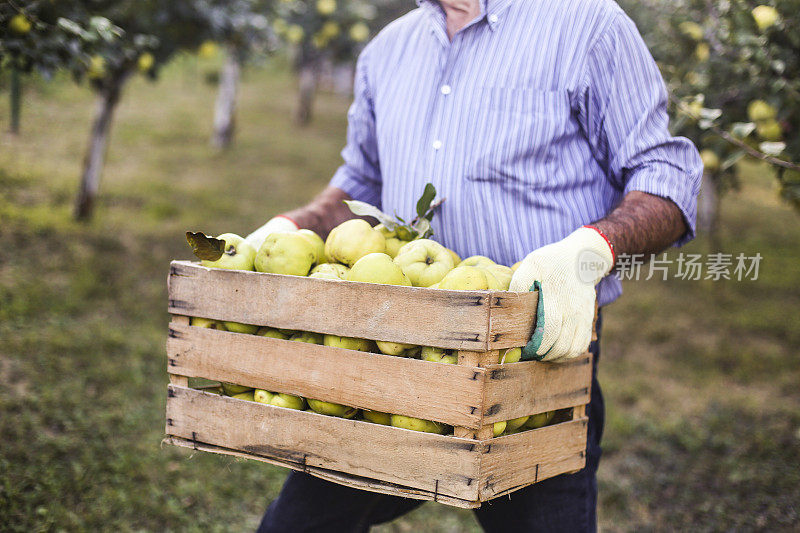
{"x": 363, "y": 209}
{"x": 205, "y": 247}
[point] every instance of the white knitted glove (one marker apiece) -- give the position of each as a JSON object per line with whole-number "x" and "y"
{"x": 565, "y": 274}
{"x": 276, "y": 224}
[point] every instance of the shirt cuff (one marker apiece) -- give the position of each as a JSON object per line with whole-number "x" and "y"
{"x": 672, "y": 183}
{"x": 357, "y": 187}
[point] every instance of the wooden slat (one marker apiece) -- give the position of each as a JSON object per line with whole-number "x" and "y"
{"x": 427, "y": 317}
{"x": 443, "y": 464}
{"x": 512, "y": 319}
{"x": 517, "y": 460}
{"x": 341, "y": 478}
{"x": 450, "y": 394}
{"x": 175, "y": 378}
{"x": 530, "y": 387}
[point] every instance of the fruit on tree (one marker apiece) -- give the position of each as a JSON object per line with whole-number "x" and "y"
{"x": 424, "y": 261}
{"x": 417, "y": 424}
{"x": 710, "y": 160}
{"x": 317, "y": 242}
{"x": 238, "y": 254}
{"x": 348, "y": 343}
{"x": 765, "y": 16}
{"x": 394, "y": 348}
{"x": 307, "y": 337}
{"x": 326, "y": 7}
{"x": 237, "y": 327}
{"x": 359, "y": 32}
{"x": 498, "y": 428}
{"x": 231, "y": 388}
{"x": 769, "y": 130}
{"x": 692, "y": 30}
{"x": 515, "y": 423}
{"x": 759, "y": 110}
{"x": 439, "y": 355}
{"x": 351, "y": 240}
{"x": 97, "y": 67}
{"x": 286, "y": 253}
{"x": 295, "y": 34}
{"x": 466, "y": 278}
{"x": 540, "y": 420}
{"x": 201, "y": 322}
{"x": 377, "y": 417}
{"x": 19, "y": 24}
{"x": 272, "y": 333}
{"x": 511, "y": 355}
{"x": 145, "y": 62}
{"x": 288, "y": 400}
{"x": 332, "y": 409}
{"x": 378, "y": 268}
{"x": 262, "y": 396}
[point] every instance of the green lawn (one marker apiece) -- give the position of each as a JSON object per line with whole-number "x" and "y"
{"x": 701, "y": 379}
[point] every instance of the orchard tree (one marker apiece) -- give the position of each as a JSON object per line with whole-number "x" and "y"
{"x": 318, "y": 31}
{"x": 733, "y": 72}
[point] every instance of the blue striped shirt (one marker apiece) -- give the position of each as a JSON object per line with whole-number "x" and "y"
{"x": 537, "y": 118}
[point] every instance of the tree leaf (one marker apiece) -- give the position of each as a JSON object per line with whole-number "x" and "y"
{"x": 423, "y": 228}
{"x": 363, "y": 209}
{"x": 424, "y": 202}
{"x": 205, "y": 247}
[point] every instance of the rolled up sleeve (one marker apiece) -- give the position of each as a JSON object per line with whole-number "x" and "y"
{"x": 623, "y": 107}
{"x": 360, "y": 175}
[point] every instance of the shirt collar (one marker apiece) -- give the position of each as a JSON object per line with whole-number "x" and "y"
{"x": 490, "y": 9}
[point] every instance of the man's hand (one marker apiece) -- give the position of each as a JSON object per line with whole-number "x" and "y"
{"x": 565, "y": 274}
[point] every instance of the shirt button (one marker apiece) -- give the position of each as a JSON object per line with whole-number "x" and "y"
{"x": 437, "y": 144}
{"x": 446, "y": 89}
{"x": 492, "y": 18}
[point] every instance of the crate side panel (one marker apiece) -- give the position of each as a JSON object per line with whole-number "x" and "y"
{"x": 446, "y": 465}
{"x": 520, "y": 459}
{"x": 449, "y": 319}
{"x": 451, "y": 394}
{"x": 529, "y": 387}
{"x": 512, "y": 318}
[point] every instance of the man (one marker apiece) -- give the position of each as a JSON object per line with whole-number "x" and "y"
{"x": 532, "y": 118}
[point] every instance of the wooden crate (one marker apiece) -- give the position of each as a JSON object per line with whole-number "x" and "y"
{"x": 462, "y": 469}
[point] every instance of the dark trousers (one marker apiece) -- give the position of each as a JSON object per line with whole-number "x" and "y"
{"x": 564, "y": 503}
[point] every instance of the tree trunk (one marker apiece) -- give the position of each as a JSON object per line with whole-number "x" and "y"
{"x": 15, "y": 99}
{"x": 93, "y": 162}
{"x": 309, "y": 76}
{"x": 708, "y": 211}
{"x": 225, "y": 108}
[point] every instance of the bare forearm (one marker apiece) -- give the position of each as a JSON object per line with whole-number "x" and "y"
{"x": 642, "y": 224}
{"x": 326, "y": 211}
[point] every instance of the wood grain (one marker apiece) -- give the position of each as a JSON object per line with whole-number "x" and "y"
{"x": 413, "y": 315}
{"x": 442, "y": 464}
{"x": 530, "y": 387}
{"x": 450, "y": 394}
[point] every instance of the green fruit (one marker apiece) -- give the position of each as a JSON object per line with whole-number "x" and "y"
{"x": 769, "y": 130}
{"x": 515, "y": 266}
{"x": 540, "y": 420}
{"x": 378, "y": 268}
{"x": 332, "y": 409}
{"x": 477, "y": 260}
{"x": 511, "y": 355}
{"x": 515, "y": 423}
{"x": 351, "y": 240}
{"x": 272, "y": 333}
{"x": 498, "y": 428}
{"x": 285, "y": 253}
{"x": 262, "y": 396}
{"x": 502, "y": 274}
{"x": 348, "y": 343}
{"x": 333, "y": 269}
{"x": 456, "y": 258}
{"x": 759, "y": 110}
{"x": 393, "y": 348}
{"x": 393, "y": 242}
{"x": 377, "y": 417}
{"x": 692, "y": 30}
{"x": 248, "y": 395}
{"x": 307, "y": 337}
{"x": 315, "y": 241}
{"x": 765, "y": 16}
{"x": 289, "y": 401}
{"x": 238, "y": 254}
{"x": 467, "y": 278}
{"x": 710, "y": 160}
{"x": 236, "y": 327}
{"x": 425, "y": 262}
{"x": 200, "y": 322}
{"x": 417, "y": 424}
{"x": 19, "y": 24}
{"x": 231, "y": 388}
{"x": 439, "y": 355}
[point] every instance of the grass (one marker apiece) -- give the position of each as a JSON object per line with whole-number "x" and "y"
{"x": 700, "y": 378}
